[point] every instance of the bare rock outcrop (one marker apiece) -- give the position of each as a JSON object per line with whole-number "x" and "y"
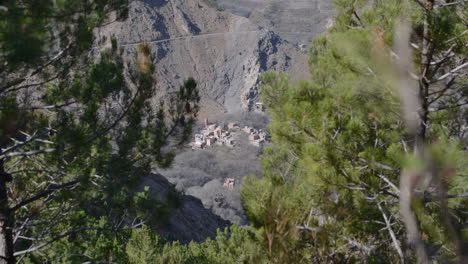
{"x": 224, "y": 52}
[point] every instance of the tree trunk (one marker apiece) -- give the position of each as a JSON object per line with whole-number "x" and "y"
{"x": 6, "y": 221}
{"x": 424, "y": 81}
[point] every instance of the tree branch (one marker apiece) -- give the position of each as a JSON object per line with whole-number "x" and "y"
{"x": 452, "y": 71}
{"x": 448, "y": 107}
{"x": 56, "y": 58}
{"x": 32, "y": 249}
{"x": 454, "y": 38}
{"x": 65, "y": 234}
{"x": 46, "y": 107}
{"x": 421, "y": 4}
{"x": 358, "y": 18}
{"x": 395, "y": 241}
{"x": 49, "y": 190}
{"x": 27, "y": 153}
{"x": 385, "y": 179}
{"x": 458, "y": 195}
{"x": 32, "y": 84}
{"x": 451, "y": 4}
{"x": 378, "y": 164}
{"x": 441, "y": 93}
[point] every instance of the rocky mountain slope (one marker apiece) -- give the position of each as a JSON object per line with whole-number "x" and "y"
{"x": 226, "y": 52}
{"x": 297, "y": 21}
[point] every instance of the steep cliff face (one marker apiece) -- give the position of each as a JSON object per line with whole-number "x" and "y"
{"x": 224, "y": 52}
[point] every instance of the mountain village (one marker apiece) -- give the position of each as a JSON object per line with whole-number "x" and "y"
{"x": 214, "y": 134}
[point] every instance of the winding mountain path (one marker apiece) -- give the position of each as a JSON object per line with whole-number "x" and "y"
{"x": 129, "y": 44}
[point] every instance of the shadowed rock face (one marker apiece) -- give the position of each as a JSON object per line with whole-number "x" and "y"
{"x": 189, "y": 222}
{"x": 155, "y": 3}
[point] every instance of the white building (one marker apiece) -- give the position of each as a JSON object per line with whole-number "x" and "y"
{"x": 248, "y": 130}
{"x": 198, "y": 145}
{"x": 210, "y": 141}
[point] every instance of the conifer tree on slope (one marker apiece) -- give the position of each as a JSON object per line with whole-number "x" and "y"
{"x": 331, "y": 189}
{"x": 77, "y": 132}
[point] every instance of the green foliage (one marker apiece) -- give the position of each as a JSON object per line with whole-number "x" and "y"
{"x": 78, "y": 148}
{"x": 330, "y": 187}
{"x": 144, "y": 246}
{"x": 233, "y": 245}
{"x": 340, "y": 144}
{"x": 24, "y": 27}
{"x": 99, "y": 241}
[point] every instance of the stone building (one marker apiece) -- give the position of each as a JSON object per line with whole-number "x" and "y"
{"x": 233, "y": 126}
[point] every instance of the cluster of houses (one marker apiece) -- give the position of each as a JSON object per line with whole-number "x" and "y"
{"x": 214, "y": 134}
{"x": 257, "y": 137}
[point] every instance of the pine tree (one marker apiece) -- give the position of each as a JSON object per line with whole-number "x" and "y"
{"x": 331, "y": 190}
{"x": 77, "y": 132}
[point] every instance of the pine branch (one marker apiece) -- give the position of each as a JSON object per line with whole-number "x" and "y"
{"x": 448, "y": 107}
{"x": 441, "y": 93}
{"x": 447, "y": 55}
{"x": 391, "y": 184}
{"x": 65, "y": 234}
{"x": 49, "y": 191}
{"x": 455, "y": 38}
{"x": 452, "y": 72}
{"x": 47, "y": 107}
{"x": 421, "y": 4}
{"x": 54, "y": 59}
{"x": 27, "y": 153}
{"x": 395, "y": 241}
{"x": 34, "y": 84}
{"x": 451, "y": 4}
{"x": 19, "y": 144}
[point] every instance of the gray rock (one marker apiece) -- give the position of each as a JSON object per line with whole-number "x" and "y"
{"x": 224, "y": 52}
{"x": 189, "y": 222}
{"x": 297, "y": 21}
